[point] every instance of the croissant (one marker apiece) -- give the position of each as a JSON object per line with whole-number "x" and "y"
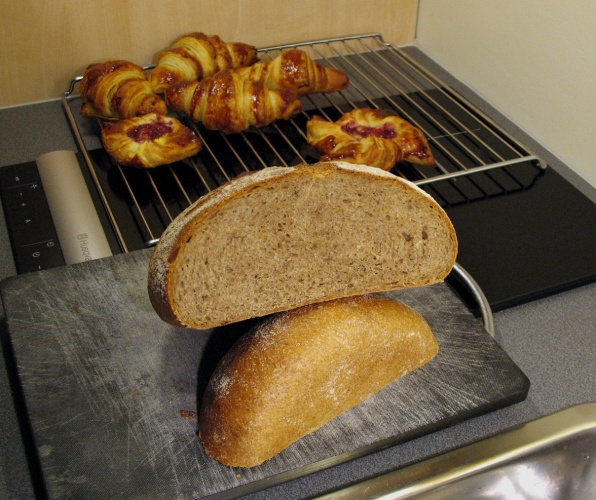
{"x": 149, "y": 140}
{"x": 371, "y": 128}
{"x": 118, "y": 89}
{"x": 230, "y": 103}
{"x": 196, "y": 56}
{"x": 294, "y": 70}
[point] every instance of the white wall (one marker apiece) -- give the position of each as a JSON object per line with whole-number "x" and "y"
{"x": 534, "y": 60}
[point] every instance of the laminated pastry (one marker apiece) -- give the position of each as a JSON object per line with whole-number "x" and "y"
{"x": 231, "y": 103}
{"x": 149, "y": 141}
{"x": 294, "y": 70}
{"x": 298, "y": 370}
{"x": 118, "y": 89}
{"x": 195, "y": 56}
{"x": 285, "y": 237}
{"x": 370, "y": 136}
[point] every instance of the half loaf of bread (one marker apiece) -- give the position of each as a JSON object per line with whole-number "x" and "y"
{"x": 285, "y": 237}
{"x": 298, "y": 370}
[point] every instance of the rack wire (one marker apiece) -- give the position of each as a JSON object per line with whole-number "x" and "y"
{"x": 476, "y": 158}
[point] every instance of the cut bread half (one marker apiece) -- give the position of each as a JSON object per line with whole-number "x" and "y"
{"x": 285, "y": 237}
{"x": 297, "y": 370}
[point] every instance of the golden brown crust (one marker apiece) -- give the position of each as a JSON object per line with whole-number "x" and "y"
{"x": 369, "y": 136}
{"x": 196, "y": 56}
{"x": 295, "y": 71}
{"x": 300, "y": 369}
{"x": 230, "y": 103}
{"x": 118, "y": 89}
{"x": 149, "y": 141}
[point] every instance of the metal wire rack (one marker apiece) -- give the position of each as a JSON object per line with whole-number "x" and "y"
{"x": 475, "y": 157}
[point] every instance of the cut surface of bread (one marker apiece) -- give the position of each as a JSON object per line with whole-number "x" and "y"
{"x": 298, "y": 370}
{"x": 285, "y": 237}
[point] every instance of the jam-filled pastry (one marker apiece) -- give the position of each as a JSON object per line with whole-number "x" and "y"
{"x": 231, "y": 103}
{"x": 357, "y": 134}
{"x": 118, "y": 89}
{"x": 196, "y": 56}
{"x": 294, "y": 70}
{"x": 335, "y": 144}
{"x": 149, "y": 141}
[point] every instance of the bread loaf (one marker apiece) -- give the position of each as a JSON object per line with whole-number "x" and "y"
{"x": 300, "y": 369}
{"x": 285, "y": 237}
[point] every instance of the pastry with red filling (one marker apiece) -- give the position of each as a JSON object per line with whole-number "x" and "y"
{"x": 149, "y": 141}
{"x": 369, "y": 136}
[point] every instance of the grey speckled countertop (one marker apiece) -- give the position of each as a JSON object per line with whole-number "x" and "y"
{"x": 551, "y": 339}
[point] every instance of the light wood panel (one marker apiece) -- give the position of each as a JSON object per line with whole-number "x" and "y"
{"x": 46, "y": 43}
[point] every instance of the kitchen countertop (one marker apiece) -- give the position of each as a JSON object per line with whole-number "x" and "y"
{"x": 551, "y": 339}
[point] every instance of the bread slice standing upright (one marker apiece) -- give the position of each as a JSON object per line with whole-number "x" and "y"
{"x": 286, "y": 237}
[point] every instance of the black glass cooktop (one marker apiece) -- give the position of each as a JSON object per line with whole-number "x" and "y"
{"x": 529, "y": 243}
{"x": 522, "y": 241}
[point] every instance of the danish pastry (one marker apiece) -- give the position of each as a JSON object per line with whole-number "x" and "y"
{"x": 231, "y": 103}
{"x": 118, "y": 89}
{"x": 196, "y": 56}
{"x": 370, "y": 136}
{"x": 149, "y": 141}
{"x": 294, "y": 70}
{"x": 336, "y": 144}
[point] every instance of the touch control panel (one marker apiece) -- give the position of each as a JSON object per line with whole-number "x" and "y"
{"x": 32, "y": 233}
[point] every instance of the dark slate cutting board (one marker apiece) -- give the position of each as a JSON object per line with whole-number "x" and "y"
{"x": 107, "y": 385}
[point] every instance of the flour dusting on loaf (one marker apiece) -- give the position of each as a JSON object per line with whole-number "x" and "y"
{"x": 285, "y": 237}
{"x": 298, "y": 370}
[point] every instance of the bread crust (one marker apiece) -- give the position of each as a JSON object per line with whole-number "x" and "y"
{"x": 402, "y": 264}
{"x": 298, "y": 370}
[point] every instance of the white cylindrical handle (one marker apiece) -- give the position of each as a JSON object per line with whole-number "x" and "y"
{"x": 79, "y": 229}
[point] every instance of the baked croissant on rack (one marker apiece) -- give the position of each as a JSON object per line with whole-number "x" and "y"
{"x": 294, "y": 70}
{"x": 196, "y": 56}
{"x": 370, "y": 136}
{"x": 118, "y": 89}
{"x": 230, "y": 103}
{"x": 149, "y": 141}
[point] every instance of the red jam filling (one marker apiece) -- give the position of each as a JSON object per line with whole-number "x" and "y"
{"x": 149, "y": 131}
{"x": 387, "y": 131}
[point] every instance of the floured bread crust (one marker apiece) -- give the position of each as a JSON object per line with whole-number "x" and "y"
{"x": 300, "y": 369}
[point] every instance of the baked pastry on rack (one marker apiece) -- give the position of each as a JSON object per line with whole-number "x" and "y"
{"x": 195, "y": 56}
{"x": 230, "y": 103}
{"x": 370, "y": 136}
{"x": 118, "y": 89}
{"x": 294, "y": 70}
{"x": 149, "y": 141}
{"x": 335, "y": 144}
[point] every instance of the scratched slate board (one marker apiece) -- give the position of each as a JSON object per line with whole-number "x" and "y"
{"x": 105, "y": 382}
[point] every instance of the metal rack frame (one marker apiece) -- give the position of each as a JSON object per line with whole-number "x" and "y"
{"x": 466, "y": 143}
